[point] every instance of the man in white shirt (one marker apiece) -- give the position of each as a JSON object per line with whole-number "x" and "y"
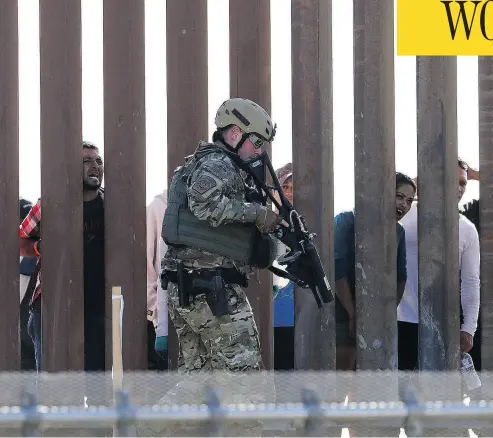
{"x": 157, "y": 298}
{"x": 408, "y": 309}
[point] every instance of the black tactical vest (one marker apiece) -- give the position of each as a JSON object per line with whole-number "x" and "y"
{"x": 239, "y": 242}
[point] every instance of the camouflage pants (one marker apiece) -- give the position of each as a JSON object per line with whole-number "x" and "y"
{"x": 213, "y": 350}
{"x": 229, "y": 343}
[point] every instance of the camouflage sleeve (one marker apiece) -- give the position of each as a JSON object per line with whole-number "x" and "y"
{"x": 211, "y": 192}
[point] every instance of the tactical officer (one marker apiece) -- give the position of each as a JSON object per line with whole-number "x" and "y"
{"x": 216, "y": 230}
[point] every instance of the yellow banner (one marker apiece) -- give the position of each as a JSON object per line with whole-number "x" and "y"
{"x": 444, "y": 27}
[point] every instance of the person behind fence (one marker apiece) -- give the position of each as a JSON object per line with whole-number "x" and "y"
{"x": 26, "y": 289}
{"x": 344, "y": 254}
{"x": 94, "y": 278}
{"x": 408, "y": 310}
{"x": 471, "y": 211}
{"x": 211, "y": 223}
{"x": 284, "y": 292}
{"x": 157, "y": 298}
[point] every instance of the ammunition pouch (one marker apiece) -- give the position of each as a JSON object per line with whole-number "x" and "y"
{"x": 210, "y": 282}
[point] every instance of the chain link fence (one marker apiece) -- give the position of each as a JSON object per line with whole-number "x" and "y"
{"x": 253, "y": 404}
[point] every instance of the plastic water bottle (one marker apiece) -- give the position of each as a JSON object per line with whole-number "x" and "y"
{"x": 469, "y": 375}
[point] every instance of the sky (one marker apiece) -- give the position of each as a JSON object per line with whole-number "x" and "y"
{"x": 218, "y": 28}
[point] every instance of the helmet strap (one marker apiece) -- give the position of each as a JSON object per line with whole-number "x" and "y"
{"x": 237, "y": 147}
{"x": 240, "y": 143}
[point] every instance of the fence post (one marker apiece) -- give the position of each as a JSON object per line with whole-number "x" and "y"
{"x": 412, "y": 425}
{"x": 217, "y": 417}
{"x": 125, "y": 168}
{"x": 313, "y": 170}
{"x": 61, "y": 185}
{"x": 374, "y": 172}
{"x": 314, "y": 421}
{"x": 249, "y": 47}
{"x": 438, "y": 220}
{"x": 125, "y": 424}
{"x": 187, "y": 96}
{"x": 9, "y": 189}
{"x": 485, "y": 70}
{"x": 30, "y": 427}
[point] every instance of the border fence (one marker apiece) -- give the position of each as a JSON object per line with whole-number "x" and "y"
{"x": 250, "y": 74}
{"x": 274, "y": 404}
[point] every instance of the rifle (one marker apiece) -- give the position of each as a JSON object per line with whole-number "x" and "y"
{"x": 302, "y": 261}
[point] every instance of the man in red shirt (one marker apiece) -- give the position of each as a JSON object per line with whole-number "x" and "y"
{"x": 94, "y": 280}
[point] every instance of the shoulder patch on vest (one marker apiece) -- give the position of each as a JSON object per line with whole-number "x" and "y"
{"x": 222, "y": 170}
{"x": 203, "y": 184}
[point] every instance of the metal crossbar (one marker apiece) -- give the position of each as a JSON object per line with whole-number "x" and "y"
{"x": 377, "y": 400}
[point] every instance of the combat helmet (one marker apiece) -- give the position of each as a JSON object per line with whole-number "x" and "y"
{"x": 250, "y": 117}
